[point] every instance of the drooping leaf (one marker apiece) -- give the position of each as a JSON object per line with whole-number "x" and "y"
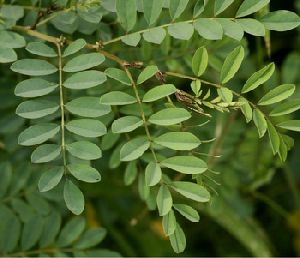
{"x": 126, "y": 11}
{"x": 84, "y": 172}
{"x": 274, "y": 137}
{"x": 259, "y": 78}
{"x": 232, "y": 64}
{"x": 130, "y": 173}
{"x": 169, "y": 116}
{"x": 147, "y": 73}
{"x": 85, "y": 80}
{"x": 250, "y": 6}
{"x": 187, "y": 211}
{"x": 209, "y": 28}
{"x": 185, "y": 164}
{"x": 278, "y": 94}
{"x": 169, "y": 223}
{"x": 134, "y": 149}
{"x": 281, "y": 20}
{"x": 292, "y": 125}
{"x": 200, "y": 61}
{"x": 45, "y": 153}
{"x": 246, "y": 109}
{"x": 178, "y": 140}
{"x": 84, "y": 150}
{"x": 126, "y": 124}
{"x": 34, "y": 87}
{"x": 153, "y": 174}
{"x": 181, "y": 30}
{"x": 86, "y": 127}
{"x": 152, "y": 10}
{"x": 33, "y": 67}
{"x": 33, "y": 109}
{"x": 286, "y": 108}
{"x": 164, "y": 200}
{"x": 178, "y": 240}
{"x": 87, "y": 107}
{"x": 83, "y": 62}
{"x": 38, "y": 134}
{"x": 74, "y": 199}
{"x": 50, "y": 178}
{"x": 191, "y": 190}
{"x": 159, "y": 92}
{"x": 260, "y": 122}
{"x": 41, "y": 49}
{"x": 114, "y": 98}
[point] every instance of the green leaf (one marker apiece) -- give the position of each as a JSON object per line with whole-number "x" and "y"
{"x": 50, "y": 230}
{"x": 281, "y": 20}
{"x": 231, "y": 28}
{"x": 84, "y": 172}
{"x": 33, "y": 67}
{"x": 222, "y": 5}
{"x": 147, "y": 73}
{"x": 7, "y": 55}
{"x": 246, "y": 109}
{"x": 200, "y": 61}
{"x": 187, "y": 211}
{"x": 278, "y": 94}
{"x": 131, "y": 39}
{"x": 185, "y": 164}
{"x": 260, "y": 122}
{"x": 38, "y": 203}
{"x": 115, "y": 98}
{"x": 86, "y": 127}
{"x": 91, "y": 238}
{"x": 6, "y": 177}
{"x": 41, "y": 49}
{"x": 74, "y": 47}
{"x": 38, "y": 134}
{"x": 155, "y": 35}
{"x": 118, "y": 75}
{"x": 130, "y": 173}
{"x": 10, "y": 39}
{"x": 250, "y": 6}
{"x": 84, "y": 150}
{"x": 286, "y": 108}
{"x": 192, "y": 191}
{"x": 181, "y": 30}
{"x": 134, "y": 148}
{"x": 34, "y": 88}
{"x": 226, "y": 94}
{"x": 209, "y": 28}
{"x": 126, "y": 11}
{"x": 87, "y": 107}
{"x": 178, "y": 140}
{"x": 34, "y": 109}
{"x": 12, "y": 12}
{"x": 83, "y": 62}
{"x": 85, "y": 80}
{"x": 126, "y": 124}
{"x": 50, "y": 178}
{"x": 177, "y": 7}
{"x": 24, "y": 210}
{"x": 143, "y": 189}
{"x": 153, "y": 174}
{"x": 169, "y": 223}
{"x": 199, "y": 7}
{"x": 31, "y": 232}
{"x": 274, "y": 137}
{"x": 74, "y": 199}
{"x": 259, "y": 78}
{"x": 292, "y": 125}
{"x": 159, "y": 92}
{"x": 169, "y": 116}
{"x": 71, "y": 231}
{"x": 178, "y": 240}
{"x": 232, "y": 64}
{"x": 152, "y": 10}
{"x": 45, "y": 153}
{"x": 252, "y": 26}
{"x": 164, "y": 200}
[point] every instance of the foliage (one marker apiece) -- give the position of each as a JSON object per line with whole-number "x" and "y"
{"x": 137, "y": 89}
